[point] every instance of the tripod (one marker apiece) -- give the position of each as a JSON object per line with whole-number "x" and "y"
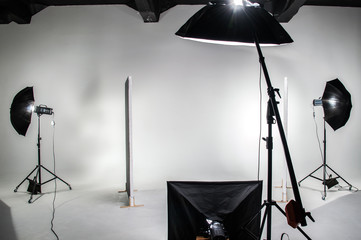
{"x": 36, "y": 183}
{"x": 269, "y": 202}
{"x": 272, "y": 111}
{"x": 326, "y": 182}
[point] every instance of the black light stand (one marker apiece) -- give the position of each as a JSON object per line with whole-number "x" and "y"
{"x": 220, "y": 22}
{"x": 36, "y": 183}
{"x": 326, "y": 182}
{"x": 269, "y": 202}
{"x": 272, "y": 111}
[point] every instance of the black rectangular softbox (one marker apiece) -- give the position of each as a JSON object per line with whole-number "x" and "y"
{"x": 234, "y": 204}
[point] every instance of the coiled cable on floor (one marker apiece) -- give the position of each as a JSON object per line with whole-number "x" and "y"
{"x": 285, "y": 234}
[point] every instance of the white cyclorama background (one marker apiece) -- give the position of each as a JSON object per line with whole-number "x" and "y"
{"x": 195, "y": 105}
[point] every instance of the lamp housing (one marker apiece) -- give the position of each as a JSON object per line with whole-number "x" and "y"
{"x": 43, "y": 110}
{"x": 217, "y": 230}
{"x": 317, "y": 102}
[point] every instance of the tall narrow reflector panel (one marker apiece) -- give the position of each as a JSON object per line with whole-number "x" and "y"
{"x": 128, "y": 140}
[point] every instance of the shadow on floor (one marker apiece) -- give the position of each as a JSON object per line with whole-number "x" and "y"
{"x": 7, "y": 231}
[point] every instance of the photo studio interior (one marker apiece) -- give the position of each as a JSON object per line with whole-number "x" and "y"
{"x": 116, "y": 125}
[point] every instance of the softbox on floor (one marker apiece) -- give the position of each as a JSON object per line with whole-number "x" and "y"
{"x": 191, "y": 204}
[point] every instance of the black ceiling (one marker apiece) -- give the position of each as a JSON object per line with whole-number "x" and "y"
{"x": 21, "y": 11}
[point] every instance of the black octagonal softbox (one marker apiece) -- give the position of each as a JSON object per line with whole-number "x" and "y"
{"x": 191, "y": 204}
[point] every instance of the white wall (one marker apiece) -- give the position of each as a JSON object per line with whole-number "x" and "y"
{"x": 196, "y": 106}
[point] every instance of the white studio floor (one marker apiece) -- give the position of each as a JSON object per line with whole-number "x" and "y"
{"x": 93, "y": 214}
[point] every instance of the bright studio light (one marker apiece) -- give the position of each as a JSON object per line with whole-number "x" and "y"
{"x": 244, "y": 3}
{"x": 333, "y": 102}
{"x": 238, "y": 2}
{"x": 30, "y": 108}
{"x": 41, "y": 109}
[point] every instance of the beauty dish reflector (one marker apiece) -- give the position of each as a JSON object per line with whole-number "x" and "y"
{"x": 233, "y": 24}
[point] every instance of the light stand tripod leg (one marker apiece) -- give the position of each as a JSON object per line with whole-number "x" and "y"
{"x": 55, "y": 177}
{"x": 35, "y": 185}
{"x": 309, "y": 175}
{"x": 324, "y": 160}
{"x": 264, "y": 221}
{"x": 338, "y": 176}
{"x": 26, "y": 178}
{"x": 245, "y": 227}
{"x": 37, "y": 182}
{"x": 324, "y": 166}
{"x": 298, "y": 228}
{"x": 268, "y": 205}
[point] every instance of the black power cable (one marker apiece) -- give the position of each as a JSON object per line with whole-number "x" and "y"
{"x": 317, "y": 135}
{"x": 285, "y": 234}
{"x": 55, "y": 184}
{"x": 260, "y": 121}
